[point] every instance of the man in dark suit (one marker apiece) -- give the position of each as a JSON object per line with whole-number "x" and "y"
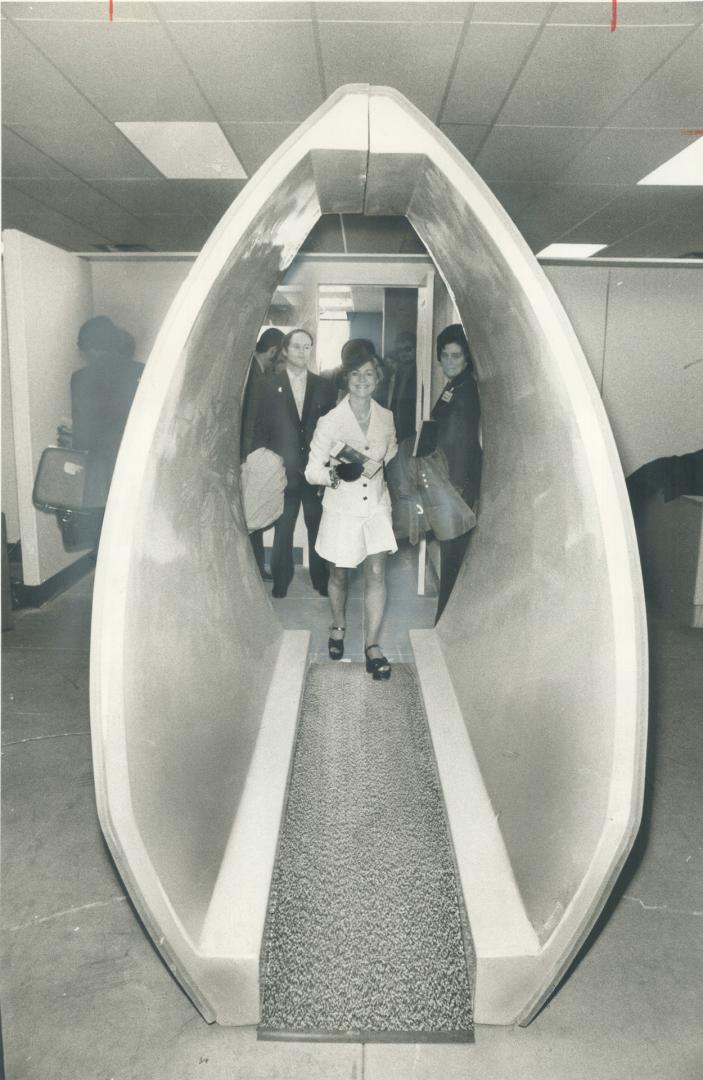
{"x": 295, "y": 401}
{"x": 260, "y": 370}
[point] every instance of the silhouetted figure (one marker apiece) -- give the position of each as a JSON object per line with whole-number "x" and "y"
{"x": 102, "y": 392}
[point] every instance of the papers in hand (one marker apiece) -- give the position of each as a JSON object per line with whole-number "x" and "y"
{"x": 344, "y": 452}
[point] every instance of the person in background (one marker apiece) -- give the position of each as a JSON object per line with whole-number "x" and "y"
{"x": 260, "y": 370}
{"x": 402, "y": 385}
{"x": 356, "y": 518}
{"x": 294, "y": 401}
{"x": 458, "y": 413}
{"x": 102, "y": 392}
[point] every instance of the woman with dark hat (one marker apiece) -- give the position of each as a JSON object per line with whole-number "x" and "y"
{"x": 350, "y": 446}
{"x": 458, "y": 412}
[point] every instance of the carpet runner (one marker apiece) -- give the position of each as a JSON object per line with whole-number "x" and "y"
{"x": 366, "y": 936}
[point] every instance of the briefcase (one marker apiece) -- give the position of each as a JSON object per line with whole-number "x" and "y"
{"x": 70, "y": 480}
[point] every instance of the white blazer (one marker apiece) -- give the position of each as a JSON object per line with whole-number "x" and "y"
{"x": 362, "y": 497}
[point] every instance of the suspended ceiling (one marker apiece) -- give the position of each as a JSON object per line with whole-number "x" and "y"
{"x": 560, "y": 115}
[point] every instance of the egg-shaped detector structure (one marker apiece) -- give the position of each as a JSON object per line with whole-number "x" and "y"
{"x": 534, "y": 680}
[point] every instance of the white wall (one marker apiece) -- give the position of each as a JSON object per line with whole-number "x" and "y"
{"x": 136, "y": 294}
{"x": 48, "y": 298}
{"x": 641, "y": 329}
{"x": 653, "y": 365}
{"x": 10, "y": 506}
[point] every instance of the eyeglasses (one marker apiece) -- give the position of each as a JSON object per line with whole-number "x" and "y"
{"x": 300, "y": 348}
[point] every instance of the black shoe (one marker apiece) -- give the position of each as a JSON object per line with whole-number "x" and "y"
{"x": 279, "y": 594}
{"x": 377, "y": 666}
{"x": 265, "y": 575}
{"x": 335, "y": 646}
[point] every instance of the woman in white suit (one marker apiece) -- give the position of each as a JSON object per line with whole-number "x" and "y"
{"x": 356, "y": 508}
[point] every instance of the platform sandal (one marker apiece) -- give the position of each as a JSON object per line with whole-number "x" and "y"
{"x": 378, "y": 666}
{"x": 335, "y": 646}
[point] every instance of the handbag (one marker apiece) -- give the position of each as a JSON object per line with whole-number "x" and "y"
{"x": 423, "y": 498}
{"x": 446, "y": 514}
{"x": 263, "y": 482}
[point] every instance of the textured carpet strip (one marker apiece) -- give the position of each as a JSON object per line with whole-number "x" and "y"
{"x": 366, "y": 937}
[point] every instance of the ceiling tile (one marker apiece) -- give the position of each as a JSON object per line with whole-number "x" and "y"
{"x": 466, "y": 137}
{"x": 634, "y": 14}
{"x": 510, "y": 13}
{"x": 19, "y": 158}
{"x": 672, "y": 97}
{"x": 254, "y": 143}
{"x": 185, "y": 197}
{"x": 593, "y": 14}
{"x": 387, "y": 53}
{"x": 529, "y": 153}
{"x": 92, "y": 149}
{"x": 83, "y": 204}
{"x": 87, "y": 11}
{"x": 671, "y": 237}
{"x": 392, "y": 12}
{"x": 233, "y": 11}
{"x": 561, "y": 207}
{"x": 226, "y": 60}
{"x": 380, "y": 235}
{"x": 632, "y": 210}
{"x": 176, "y": 233}
{"x": 129, "y": 71}
{"x": 624, "y": 155}
{"x": 489, "y": 61}
{"x": 33, "y": 91}
{"x": 580, "y": 75}
{"x": 628, "y": 14}
{"x": 19, "y": 211}
{"x": 514, "y": 198}
{"x": 326, "y": 235}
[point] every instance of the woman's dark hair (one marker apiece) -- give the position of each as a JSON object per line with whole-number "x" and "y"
{"x": 100, "y": 333}
{"x": 271, "y": 337}
{"x": 298, "y": 330}
{"x": 126, "y": 344}
{"x": 454, "y": 335}
{"x": 355, "y": 354}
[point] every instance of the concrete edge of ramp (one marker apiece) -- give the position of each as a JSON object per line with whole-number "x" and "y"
{"x": 502, "y": 934}
{"x": 220, "y": 972}
{"x": 515, "y": 973}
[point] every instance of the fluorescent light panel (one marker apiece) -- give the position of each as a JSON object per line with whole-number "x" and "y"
{"x": 683, "y": 169}
{"x": 569, "y": 251}
{"x": 185, "y": 150}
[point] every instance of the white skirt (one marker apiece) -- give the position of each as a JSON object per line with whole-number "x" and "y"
{"x": 346, "y": 541}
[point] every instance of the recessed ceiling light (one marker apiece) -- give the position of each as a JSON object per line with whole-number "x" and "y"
{"x": 684, "y": 168}
{"x": 569, "y": 251}
{"x": 186, "y": 151}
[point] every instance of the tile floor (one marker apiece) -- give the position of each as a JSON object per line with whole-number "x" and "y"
{"x": 86, "y": 997}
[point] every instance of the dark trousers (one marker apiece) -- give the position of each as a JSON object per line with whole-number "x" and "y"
{"x": 451, "y": 556}
{"x": 282, "y": 554}
{"x": 256, "y": 539}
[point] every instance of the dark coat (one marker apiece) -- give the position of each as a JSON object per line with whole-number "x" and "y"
{"x": 253, "y": 403}
{"x": 283, "y": 431}
{"x": 101, "y": 397}
{"x": 458, "y": 411}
